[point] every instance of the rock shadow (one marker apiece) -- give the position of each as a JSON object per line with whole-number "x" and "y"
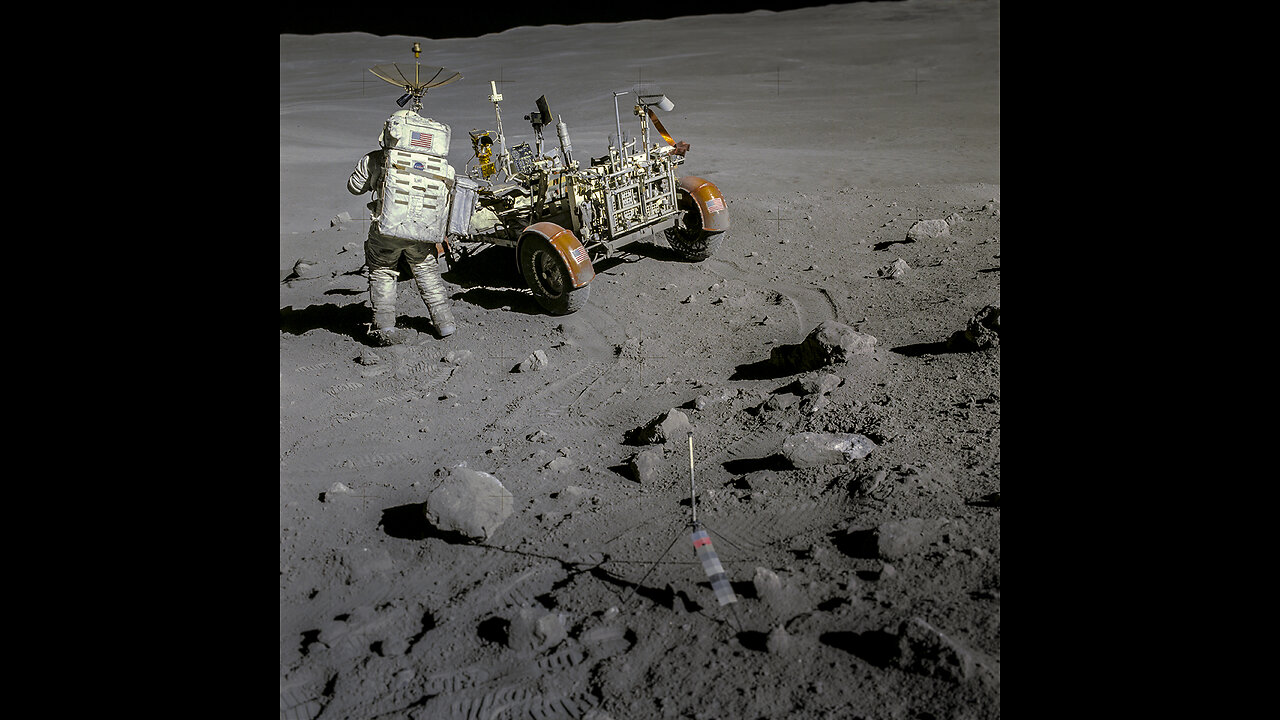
{"x": 877, "y": 647}
{"x": 887, "y": 243}
{"x": 745, "y": 466}
{"x": 862, "y": 544}
{"x": 918, "y": 349}
{"x": 494, "y": 629}
{"x": 763, "y": 370}
{"x": 407, "y": 522}
{"x": 754, "y": 640}
{"x": 992, "y": 500}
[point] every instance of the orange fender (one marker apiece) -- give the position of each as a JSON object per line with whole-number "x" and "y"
{"x": 568, "y": 246}
{"x": 711, "y": 205}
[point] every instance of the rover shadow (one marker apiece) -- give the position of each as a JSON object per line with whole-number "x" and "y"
{"x": 493, "y": 266}
{"x": 491, "y": 279}
{"x": 521, "y": 301}
{"x": 652, "y": 250}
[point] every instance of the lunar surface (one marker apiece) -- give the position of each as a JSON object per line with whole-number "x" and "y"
{"x": 500, "y": 524}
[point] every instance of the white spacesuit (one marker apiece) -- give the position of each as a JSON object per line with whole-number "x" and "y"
{"x": 411, "y": 181}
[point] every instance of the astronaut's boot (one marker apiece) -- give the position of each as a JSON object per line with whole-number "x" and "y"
{"x": 382, "y": 296}
{"x": 431, "y": 287}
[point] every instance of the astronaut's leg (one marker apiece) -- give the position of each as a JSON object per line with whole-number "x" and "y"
{"x": 426, "y": 272}
{"x": 381, "y": 257}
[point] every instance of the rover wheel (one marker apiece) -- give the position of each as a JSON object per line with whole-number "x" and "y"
{"x": 689, "y": 240}
{"x": 549, "y": 279}
{"x": 694, "y": 244}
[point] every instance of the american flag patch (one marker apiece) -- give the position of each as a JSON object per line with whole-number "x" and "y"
{"x": 715, "y": 204}
{"x": 579, "y": 254}
{"x": 422, "y": 140}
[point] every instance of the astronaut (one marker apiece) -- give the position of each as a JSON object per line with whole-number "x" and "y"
{"x": 413, "y": 238}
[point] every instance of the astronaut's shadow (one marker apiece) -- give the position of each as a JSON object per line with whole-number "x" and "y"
{"x": 350, "y": 319}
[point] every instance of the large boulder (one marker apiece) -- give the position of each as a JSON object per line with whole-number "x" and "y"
{"x": 830, "y": 342}
{"x": 811, "y": 449}
{"x": 925, "y": 229}
{"x": 924, "y": 649}
{"x": 470, "y": 503}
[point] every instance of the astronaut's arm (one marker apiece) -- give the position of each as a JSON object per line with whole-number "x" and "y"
{"x": 358, "y": 183}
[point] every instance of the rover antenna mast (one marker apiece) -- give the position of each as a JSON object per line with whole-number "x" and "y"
{"x": 504, "y": 158}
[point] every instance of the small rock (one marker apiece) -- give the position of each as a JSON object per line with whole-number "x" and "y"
{"x": 647, "y": 464}
{"x": 819, "y": 383}
{"x": 537, "y": 360}
{"x": 533, "y": 628}
{"x": 898, "y": 268}
{"x": 711, "y": 398}
{"x": 573, "y": 493}
{"x": 780, "y": 401}
{"x": 671, "y": 426}
{"x": 779, "y": 640}
{"x": 457, "y": 357}
{"x": 307, "y": 268}
{"x": 560, "y": 464}
{"x": 340, "y": 218}
{"x": 813, "y": 403}
{"x": 335, "y": 489}
{"x": 687, "y": 300}
{"x": 766, "y": 583}
{"x": 538, "y": 436}
{"x": 896, "y": 539}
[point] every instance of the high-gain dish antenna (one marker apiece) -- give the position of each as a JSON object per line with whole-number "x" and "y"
{"x": 416, "y": 79}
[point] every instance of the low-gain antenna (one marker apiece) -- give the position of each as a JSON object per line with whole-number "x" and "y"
{"x": 415, "y": 80}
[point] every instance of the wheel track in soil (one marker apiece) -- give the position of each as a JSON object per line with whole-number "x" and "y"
{"x": 574, "y": 400}
{"x": 410, "y": 379}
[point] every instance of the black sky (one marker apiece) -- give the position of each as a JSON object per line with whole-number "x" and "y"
{"x": 470, "y": 19}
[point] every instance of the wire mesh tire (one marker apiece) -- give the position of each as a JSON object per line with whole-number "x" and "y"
{"x": 548, "y": 277}
{"x": 694, "y": 245}
{"x": 688, "y": 238}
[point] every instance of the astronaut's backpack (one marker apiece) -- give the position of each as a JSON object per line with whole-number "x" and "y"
{"x": 417, "y": 179}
